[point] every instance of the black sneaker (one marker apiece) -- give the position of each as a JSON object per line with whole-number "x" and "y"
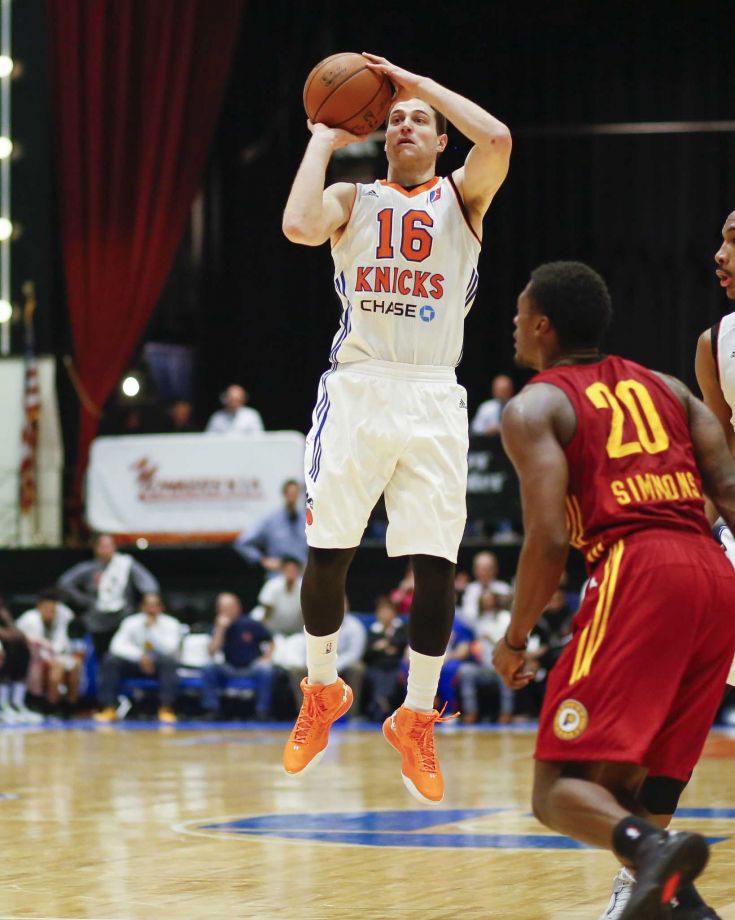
{"x": 694, "y": 913}
{"x": 664, "y": 864}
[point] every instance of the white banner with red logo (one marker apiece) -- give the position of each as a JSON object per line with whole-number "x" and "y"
{"x": 189, "y": 486}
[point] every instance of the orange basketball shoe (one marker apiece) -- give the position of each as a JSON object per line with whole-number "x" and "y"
{"x": 323, "y": 705}
{"x": 412, "y": 735}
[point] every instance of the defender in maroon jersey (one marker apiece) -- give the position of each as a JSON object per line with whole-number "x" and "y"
{"x": 616, "y": 460}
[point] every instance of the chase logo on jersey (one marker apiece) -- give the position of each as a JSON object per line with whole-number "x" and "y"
{"x": 571, "y": 720}
{"x": 427, "y": 313}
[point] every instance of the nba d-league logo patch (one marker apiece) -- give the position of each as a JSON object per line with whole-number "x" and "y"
{"x": 571, "y": 720}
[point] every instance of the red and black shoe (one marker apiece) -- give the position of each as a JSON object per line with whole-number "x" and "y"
{"x": 665, "y": 862}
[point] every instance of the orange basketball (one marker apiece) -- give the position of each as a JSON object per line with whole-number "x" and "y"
{"x": 342, "y": 92}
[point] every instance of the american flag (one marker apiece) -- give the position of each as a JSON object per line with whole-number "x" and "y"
{"x": 31, "y": 408}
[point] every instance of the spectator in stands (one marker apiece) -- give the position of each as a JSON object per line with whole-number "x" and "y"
{"x": 485, "y": 572}
{"x": 402, "y": 596}
{"x": 459, "y": 650}
{"x": 487, "y": 418}
{"x": 479, "y": 671}
{"x": 280, "y": 534}
{"x": 146, "y": 644}
{"x": 554, "y": 629}
{"x": 280, "y": 599}
{"x": 236, "y": 418}
{"x": 180, "y": 418}
{"x": 105, "y": 589}
{"x": 387, "y": 641}
{"x": 461, "y": 580}
{"x": 246, "y": 647}
{"x": 55, "y": 668}
{"x": 15, "y": 658}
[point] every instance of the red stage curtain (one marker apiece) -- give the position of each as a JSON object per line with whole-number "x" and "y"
{"x": 137, "y": 87}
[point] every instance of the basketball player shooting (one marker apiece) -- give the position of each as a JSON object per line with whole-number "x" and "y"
{"x": 390, "y": 417}
{"x": 615, "y": 458}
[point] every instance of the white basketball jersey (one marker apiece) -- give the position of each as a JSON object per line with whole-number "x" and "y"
{"x": 726, "y": 361}
{"x": 406, "y": 273}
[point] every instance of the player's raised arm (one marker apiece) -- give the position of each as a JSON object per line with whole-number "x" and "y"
{"x": 487, "y": 162}
{"x": 313, "y": 214}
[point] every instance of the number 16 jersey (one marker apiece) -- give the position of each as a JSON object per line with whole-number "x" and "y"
{"x": 406, "y": 274}
{"x": 631, "y": 459}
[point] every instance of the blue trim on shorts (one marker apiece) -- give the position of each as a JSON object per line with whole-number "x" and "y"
{"x": 323, "y": 404}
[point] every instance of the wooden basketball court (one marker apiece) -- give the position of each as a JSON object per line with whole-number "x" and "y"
{"x": 124, "y": 824}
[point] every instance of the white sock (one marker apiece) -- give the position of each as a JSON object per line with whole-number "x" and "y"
{"x": 19, "y": 695}
{"x": 4, "y": 695}
{"x": 423, "y": 679}
{"x": 321, "y": 658}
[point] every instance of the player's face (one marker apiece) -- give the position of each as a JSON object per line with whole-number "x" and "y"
{"x": 411, "y": 133}
{"x": 725, "y": 258}
{"x": 525, "y": 322}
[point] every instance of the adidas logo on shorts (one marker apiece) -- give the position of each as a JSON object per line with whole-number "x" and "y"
{"x": 462, "y": 404}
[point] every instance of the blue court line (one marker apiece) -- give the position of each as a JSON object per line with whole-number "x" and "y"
{"x": 446, "y": 841}
{"x": 705, "y": 813}
{"x": 356, "y": 820}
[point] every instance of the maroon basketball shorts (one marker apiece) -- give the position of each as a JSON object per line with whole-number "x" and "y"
{"x": 644, "y": 674}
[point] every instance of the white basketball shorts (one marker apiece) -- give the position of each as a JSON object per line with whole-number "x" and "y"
{"x": 398, "y": 429}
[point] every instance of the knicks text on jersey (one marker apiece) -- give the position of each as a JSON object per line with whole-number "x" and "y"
{"x": 406, "y": 273}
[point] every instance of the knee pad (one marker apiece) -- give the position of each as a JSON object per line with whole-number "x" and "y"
{"x": 660, "y": 795}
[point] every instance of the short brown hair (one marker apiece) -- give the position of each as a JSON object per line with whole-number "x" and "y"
{"x": 439, "y": 120}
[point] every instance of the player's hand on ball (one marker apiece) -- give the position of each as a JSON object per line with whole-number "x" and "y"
{"x": 406, "y": 83}
{"x": 337, "y": 136}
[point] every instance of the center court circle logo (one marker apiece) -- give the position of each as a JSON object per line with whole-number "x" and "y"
{"x": 571, "y": 720}
{"x": 427, "y": 313}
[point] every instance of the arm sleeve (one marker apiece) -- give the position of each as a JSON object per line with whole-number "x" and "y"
{"x": 250, "y": 544}
{"x": 351, "y": 645}
{"x": 123, "y": 644}
{"x": 470, "y": 603}
{"x": 213, "y": 425}
{"x": 29, "y": 626}
{"x": 69, "y": 584}
{"x": 144, "y": 582}
{"x": 168, "y": 638}
{"x": 477, "y": 425}
{"x": 266, "y": 593}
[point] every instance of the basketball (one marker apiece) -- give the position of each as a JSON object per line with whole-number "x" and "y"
{"x": 342, "y": 92}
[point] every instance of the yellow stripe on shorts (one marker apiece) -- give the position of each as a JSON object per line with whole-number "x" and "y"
{"x": 592, "y": 635}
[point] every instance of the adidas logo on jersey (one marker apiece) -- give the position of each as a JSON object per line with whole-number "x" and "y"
{"x": 370, "y": 193}
{"x": 462, "y": 404}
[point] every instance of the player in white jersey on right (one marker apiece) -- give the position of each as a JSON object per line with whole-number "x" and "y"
{"x": 390, "y": 417}
{"x": 715, "y": 370}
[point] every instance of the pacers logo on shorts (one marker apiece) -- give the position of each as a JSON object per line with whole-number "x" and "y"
{"x": 571, "y": 720}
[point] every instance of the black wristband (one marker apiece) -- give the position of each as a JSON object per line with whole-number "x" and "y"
{"x": 515, "y": 648}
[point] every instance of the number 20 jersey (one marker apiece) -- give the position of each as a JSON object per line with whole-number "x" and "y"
{"x": 631, "y": 459}
{"x": 406, "y": 274}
